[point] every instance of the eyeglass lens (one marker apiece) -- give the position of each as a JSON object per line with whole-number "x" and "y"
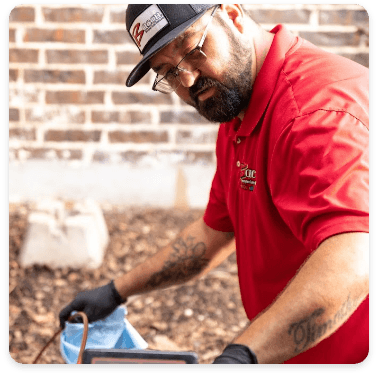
{"x": 171, "y": 80}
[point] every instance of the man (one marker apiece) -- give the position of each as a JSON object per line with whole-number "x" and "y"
{"x": 290, "y": 190}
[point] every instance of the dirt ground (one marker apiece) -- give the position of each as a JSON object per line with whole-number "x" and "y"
{"x": 202, "y": 316}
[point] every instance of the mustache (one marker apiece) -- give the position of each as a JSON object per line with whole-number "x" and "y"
{"x": 201, "y": 84}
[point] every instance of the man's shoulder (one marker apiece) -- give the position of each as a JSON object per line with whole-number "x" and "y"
{"x": 317, "y": 79}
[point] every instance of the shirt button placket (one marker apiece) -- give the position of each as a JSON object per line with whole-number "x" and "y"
{"x": 238, "y": 141}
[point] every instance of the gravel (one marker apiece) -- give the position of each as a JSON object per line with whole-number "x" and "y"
{"x": 201, "y": 316}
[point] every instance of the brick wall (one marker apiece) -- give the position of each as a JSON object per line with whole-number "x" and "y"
{"x": 68, "y": 102}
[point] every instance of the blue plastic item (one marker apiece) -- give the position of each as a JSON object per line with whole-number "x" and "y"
{"x": 113, "y": 332}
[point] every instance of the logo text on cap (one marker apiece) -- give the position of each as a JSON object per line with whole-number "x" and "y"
{"x": 147, "y": 25}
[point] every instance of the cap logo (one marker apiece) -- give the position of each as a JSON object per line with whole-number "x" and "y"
{"x": 147, "y": 25}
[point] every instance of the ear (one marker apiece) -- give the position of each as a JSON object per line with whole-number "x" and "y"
{"x": 233, "y": 13}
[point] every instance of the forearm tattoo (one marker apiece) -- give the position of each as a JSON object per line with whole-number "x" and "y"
{"x": 307, "y": 331}
{"x": 186, "y": 261}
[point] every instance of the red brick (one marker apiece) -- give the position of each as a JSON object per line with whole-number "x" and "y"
{"x": 13, "y": 75}
{"x": 72, "y": 136}
{"x": 135, "y": 117}
{"x": 74, "y": 97}
{"x": 54, "y": 76}
{"x": 111, "y": 37}
{"x": 118, "y": 16}
{"x": 105, "y": 116}
{"x": 138, "y": 136}
{"x": 74, "y": 154}
{"x": 331, "y": 38}
{"x": 22, "y": 134}
{"x": 199, "y": 157}
{"x": 77, "y": 56}
{"x": 128, "y": 58}
{"x": 101, "y": 157}
{"x": 37, "y": 153}
{"x": 344, "y": 17}
{"x": 55, "y": 115}
{"x": 280, "y": 16}
{"x": 133, "y": 156}
{"x": 55, "y": 35}
{"x": 14, "y": 115}
{"x": 190, "y": 137}
{"x": 43, "y": 153}
{"x": 128, "y": 117}
{"x": 12, "y": 35}
{"x": 183, "y": 117}
{"x": 22, "y": 14}
{"x": 105, "y": 77}
{"x": 23, "y": 95}
{"x": 73, "y": 15}
{"x": 23, "y": 55}
{"x": 148, "y": 97}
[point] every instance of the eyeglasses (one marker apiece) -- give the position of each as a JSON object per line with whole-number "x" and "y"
{"x": 169, "y": 82}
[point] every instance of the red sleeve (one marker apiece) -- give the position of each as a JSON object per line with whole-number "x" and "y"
{"x": 324, "y": 188}
{"x": 216, "y": 214}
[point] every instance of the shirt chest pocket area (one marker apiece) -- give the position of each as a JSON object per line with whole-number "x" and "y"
{"x": 247, "y": 178}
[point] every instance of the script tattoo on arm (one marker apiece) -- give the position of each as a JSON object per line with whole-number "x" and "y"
{"x": 307, "y": 331}
{"x": 186, "y": 261}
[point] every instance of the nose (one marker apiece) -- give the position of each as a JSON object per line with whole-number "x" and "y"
{"x": 188, "y": 78}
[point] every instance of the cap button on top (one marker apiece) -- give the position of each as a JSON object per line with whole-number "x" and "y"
{"x": 238, "y": 163}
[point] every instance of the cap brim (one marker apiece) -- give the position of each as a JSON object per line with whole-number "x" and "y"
{"x": 142, "y": 68}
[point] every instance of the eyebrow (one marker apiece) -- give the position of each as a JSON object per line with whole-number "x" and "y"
{"x": 183, "y": 37}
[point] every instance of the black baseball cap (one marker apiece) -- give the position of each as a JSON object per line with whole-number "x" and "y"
{"x": 153, "y": 26}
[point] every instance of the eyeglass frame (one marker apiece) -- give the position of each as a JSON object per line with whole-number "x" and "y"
{"x": 177, "y": 68}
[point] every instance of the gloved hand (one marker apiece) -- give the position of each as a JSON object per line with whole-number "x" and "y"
{"x": 96, "y": 304}
{"x": 236, "y": 354}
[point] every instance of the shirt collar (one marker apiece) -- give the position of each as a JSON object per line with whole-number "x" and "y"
{"x": 265, "y": 82}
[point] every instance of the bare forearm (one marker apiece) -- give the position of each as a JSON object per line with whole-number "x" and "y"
{"x": 194, "y": 251}
{"x": 325, "y": 292}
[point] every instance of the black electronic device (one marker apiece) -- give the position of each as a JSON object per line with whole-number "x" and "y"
{"x": 118, "y": 356}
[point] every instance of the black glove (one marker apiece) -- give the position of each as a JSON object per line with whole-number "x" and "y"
{"x": 236, "y": 354}
{"x": 96, "y": 304}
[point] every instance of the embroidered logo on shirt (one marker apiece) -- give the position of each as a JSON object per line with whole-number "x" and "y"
{"x": 247, "y": 177}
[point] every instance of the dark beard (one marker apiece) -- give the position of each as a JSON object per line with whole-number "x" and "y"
{"x": 224, "y": 105}
{"x": 228, "y": 100}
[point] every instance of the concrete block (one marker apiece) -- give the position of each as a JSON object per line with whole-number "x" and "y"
{"x": 73, "y": 237}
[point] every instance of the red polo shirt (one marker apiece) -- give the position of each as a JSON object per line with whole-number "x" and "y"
{"x": 293, "y": 173}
